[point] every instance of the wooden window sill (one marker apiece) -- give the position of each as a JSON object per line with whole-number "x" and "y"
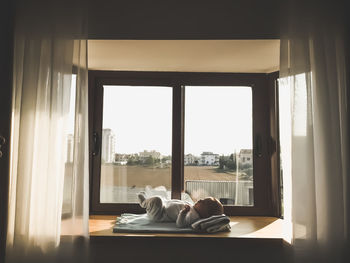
{"x": 256, "y": 228}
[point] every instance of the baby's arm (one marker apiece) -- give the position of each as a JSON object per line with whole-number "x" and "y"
{"x": 181, "y": 218}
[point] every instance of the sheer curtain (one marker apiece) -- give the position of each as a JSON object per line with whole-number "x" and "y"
{"x": 48, "y": 198}
{"x": 315, "y": 146}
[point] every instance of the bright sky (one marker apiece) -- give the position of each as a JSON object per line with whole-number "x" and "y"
{"x": 218, "y": 119}
{"x": 140, "y": 117}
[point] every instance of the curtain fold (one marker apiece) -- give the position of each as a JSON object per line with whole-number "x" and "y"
{"x": 315, "y": 153}
{"x": 48, "y": 195}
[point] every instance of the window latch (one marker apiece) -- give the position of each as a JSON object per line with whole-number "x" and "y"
{"x": 96, "y": 145}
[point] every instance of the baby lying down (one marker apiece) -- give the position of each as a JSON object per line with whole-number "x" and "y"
{"x": 181, "y": 212}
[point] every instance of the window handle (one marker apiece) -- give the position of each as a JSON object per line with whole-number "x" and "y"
{"x": 96, "y": 144}
{"x": 258, "y": 146}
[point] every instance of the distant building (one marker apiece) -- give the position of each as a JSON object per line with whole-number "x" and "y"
{"x": 209, "y": 158}
{"x": 121, "y": 159}
{"x": 123, "y": 162}
{"x": 108, "y": 146}
{"x": 70, "y": 147}
{"x": 153, "y": 153}
{"x": 246, "y": 156}
{"x": 190, "y": 159}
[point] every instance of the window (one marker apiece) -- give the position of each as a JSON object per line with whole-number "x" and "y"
{"x": 136, "y": 142}
{"x": 180, "y": 135}
{"x": 68, "y": 169}
{"x": 221, "y": 138}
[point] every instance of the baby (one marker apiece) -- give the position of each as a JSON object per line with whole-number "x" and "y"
{"x": 181, "y": 212}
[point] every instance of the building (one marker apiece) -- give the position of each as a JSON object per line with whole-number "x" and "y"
{"x": 153, "y": 154}
{"x": 121, "y": 159}
{"x": 246, "y": 157}
{"x": 190, "y": 159}
{"x": 209, "y": 158}
{"x": 108, "y": 146}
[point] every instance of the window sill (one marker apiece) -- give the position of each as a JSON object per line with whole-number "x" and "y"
{"x": 252, "y": 239}
{"x": 248, "y": 228}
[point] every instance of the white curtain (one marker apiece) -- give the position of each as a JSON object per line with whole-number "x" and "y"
{"x": 314, "y": 131}
{"x": 48, "y": 198}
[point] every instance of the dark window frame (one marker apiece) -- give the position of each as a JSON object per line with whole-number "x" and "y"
{"x": 265, "y": 183}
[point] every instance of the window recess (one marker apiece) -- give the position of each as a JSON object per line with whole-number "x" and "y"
{"x": 181, "y": 135}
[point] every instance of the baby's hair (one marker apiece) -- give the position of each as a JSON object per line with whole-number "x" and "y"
{"x": 209, "y": 206}
{"x": 215, "y": 207}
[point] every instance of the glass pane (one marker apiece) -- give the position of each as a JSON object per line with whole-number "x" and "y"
{"x": 218, "y": 144}
{"x": 136, "y": 142}
{"x": 285, "y": 129}
{"x": 68, "y": 169}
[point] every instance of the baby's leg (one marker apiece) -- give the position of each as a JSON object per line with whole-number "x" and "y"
{"x": 142, "y": 198}
{"x": 153, "y": 205}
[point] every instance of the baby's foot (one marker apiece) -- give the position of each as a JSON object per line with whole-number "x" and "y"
{"x": 142, "y": 197}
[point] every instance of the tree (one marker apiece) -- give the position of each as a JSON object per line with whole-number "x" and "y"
{"x": 232, "y": 157}
{"x": 149, "y": 160}
{"x": 222, "y": 162}
{"x": 227, "y": 162}
{"x": 231, "y": 164}
{"x": 130, "y": 161}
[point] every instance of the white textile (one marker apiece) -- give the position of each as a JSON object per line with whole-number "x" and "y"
{"x": 49, "y": 140}
{"x": 314, "y": 130}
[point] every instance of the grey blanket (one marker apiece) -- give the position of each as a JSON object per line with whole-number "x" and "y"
{"x": 135, "y": 223}
{"x": 212, "y": 224}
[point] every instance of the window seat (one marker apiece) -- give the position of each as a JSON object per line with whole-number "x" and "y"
{"x": 252, "y": 238}
{"x": 242, "y": 227}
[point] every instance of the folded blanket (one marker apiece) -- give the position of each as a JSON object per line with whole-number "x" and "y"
{"x": 135, "y": 223}
{"x": 140, "y": 223}
{"x": 212, "y": 224}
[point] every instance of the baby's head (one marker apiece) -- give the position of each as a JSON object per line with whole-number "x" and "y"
{"x": 208, "y": 207}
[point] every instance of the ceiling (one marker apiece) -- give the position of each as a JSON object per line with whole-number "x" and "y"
{"x": 241, "y": 56}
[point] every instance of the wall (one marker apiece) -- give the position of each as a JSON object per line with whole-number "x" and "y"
{"x": 6, "y": 34}
{"x": 183, "y": 19}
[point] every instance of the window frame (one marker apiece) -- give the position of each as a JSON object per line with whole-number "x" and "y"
{"x": 264, "y": 111}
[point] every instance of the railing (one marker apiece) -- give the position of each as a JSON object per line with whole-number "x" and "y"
{"x": 225, "y": 191}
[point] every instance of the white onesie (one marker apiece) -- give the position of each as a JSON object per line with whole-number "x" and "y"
{"x": 162, "y": 210}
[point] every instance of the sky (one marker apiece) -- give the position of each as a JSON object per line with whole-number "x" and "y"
{"x": 217, "y": 119}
